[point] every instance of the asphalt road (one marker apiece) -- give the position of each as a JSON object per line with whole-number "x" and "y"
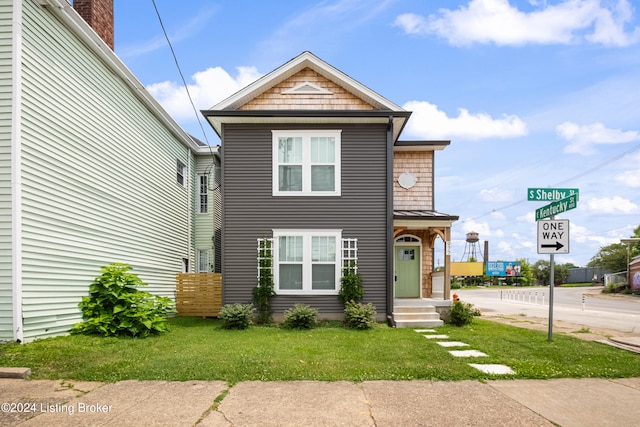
{"x": 617, "y": 312}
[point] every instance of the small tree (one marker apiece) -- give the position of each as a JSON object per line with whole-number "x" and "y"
{"x": 115, "y": 306}
{"x": 526, "y": 273}
{"x": 264, "y": 291}
{"x": 351, "y": 284}
{"x": 611, "y": 257}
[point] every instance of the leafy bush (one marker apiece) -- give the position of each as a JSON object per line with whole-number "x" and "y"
{"x": 301, "y": 316}
{"x": 236, "y": 316}
{"x": 359, "y": 316}
{"x": 351, "y": 285}
{"x": 115, "y": 307}
{"x": 462, "y": 313}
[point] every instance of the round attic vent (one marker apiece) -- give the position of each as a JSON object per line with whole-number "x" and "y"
{"x": 407, "y": 180}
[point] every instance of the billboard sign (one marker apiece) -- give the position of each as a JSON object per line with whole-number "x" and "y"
{"x": 503, "y": 269}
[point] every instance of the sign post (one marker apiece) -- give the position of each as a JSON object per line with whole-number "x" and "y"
{"x": 551, "y": 286}
{"x": 553, "y": 235}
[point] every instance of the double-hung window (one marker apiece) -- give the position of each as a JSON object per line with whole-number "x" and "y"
{"x": 204, "y": 193}
{"x": 307, "y": 261}
{"x": 180, "y": 172}
{"x": 306, "y": 163}
{"x": 203, "y": 260}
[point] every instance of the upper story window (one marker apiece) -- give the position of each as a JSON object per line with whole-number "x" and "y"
{"x": 306, "y": 163}
{"x": 180, "y": 172}
{"x": 203, "y": 180}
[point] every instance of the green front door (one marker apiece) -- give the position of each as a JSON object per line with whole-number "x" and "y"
{"x": 407, "y": 266}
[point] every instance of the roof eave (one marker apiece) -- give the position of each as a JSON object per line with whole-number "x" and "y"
{"x": 219, "y": 117}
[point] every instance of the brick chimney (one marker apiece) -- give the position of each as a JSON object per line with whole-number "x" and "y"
{"x": 99, "y": 15}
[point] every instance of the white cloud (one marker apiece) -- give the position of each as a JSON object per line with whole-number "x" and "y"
{"x": 497, "y": 215}
{"x": 482, "y": 228}
{"x": 496, "y": 21}
{"x": 529, "y": 217}
{"x": 629, "y": 178}
{"x": 583, "y": 139}
{"x": 210, "y": 87}
{"x": 428, "y": 122}
{"x": 581, "y": 234}
{"x": 182, "y": 32}
{"x": 504, "y": 248}
{"x": 610, "y": 205}
{"x": 496, "y": 195}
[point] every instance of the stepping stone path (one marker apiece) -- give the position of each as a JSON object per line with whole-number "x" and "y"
{"x": 452, "y": 344}
{"x": 486, "y": 368}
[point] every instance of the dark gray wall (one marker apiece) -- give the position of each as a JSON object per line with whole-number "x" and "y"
{"x": 585, "y": 274}
{"x": 250, "y": 211}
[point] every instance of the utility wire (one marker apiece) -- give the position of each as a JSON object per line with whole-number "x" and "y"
{"x": 580, "y": 175}
{"x": 184, "y": 82}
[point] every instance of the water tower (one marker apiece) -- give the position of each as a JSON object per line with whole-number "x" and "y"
{"x": 472, "y": 248}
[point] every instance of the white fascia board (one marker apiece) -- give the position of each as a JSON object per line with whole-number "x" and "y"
{"x": 75, "y": 23}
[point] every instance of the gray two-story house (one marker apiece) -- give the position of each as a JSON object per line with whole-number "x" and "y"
{"x": 311, "y": 159}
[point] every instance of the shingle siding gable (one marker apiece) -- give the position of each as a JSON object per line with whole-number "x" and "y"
{"x": 279, "y": 96}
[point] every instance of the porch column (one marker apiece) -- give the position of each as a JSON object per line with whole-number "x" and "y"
{"x": 447, "y": 263}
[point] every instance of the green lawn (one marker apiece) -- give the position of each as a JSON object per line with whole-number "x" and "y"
{"x": 198, "y": 349}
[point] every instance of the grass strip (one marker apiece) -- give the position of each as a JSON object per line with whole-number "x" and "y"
{"x": 199, "y": 349}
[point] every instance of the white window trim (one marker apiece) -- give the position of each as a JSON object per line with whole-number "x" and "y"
{"x": 306, "y": 261}
{"x": 181, "y": 173}
{"x": 306, "y": 161}
{"x": 199, "y": 261}
{"x": 201, "y": 194}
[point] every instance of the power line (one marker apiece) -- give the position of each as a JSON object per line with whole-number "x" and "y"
{"x": 184, "y": 82}
{"x": 580, "y": 175}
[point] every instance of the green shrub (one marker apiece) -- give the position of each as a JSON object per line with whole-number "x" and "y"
{"x": 264, "y": 291}
{"x": 351, "y": 285}
{"x": 359, "y": 316}
{"x": 301, "y": 316}
{"x": 462, "y": 313}
{"x": 115, "y": 307}
{"x": 236, "y": 316}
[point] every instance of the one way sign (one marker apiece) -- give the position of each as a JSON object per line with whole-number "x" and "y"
{"x": 553, "y": 236}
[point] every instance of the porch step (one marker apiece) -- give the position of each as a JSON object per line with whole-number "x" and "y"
{"x": 416, "y": 316}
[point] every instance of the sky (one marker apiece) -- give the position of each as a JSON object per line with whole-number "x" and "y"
{"x": 531, "y": 94}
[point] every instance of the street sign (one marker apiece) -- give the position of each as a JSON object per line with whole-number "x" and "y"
{"x": 553, "y": 236}
{"x": 549, "y": 194}
{"x": 558, "y": 207}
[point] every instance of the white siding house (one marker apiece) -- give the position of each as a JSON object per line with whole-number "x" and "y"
{"x": 92, "y": 171}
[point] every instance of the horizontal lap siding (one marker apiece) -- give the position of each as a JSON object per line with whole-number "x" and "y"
{"x": 251, "y": 212}
{"x": 6, "y": 87}
{"x": 99, "y": 180}
{"x": 204, "y": 223}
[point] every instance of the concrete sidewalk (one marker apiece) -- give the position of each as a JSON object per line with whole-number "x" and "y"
{"x": 565, "y": 402}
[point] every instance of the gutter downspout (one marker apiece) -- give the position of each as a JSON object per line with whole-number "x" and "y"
{"x": 16, "y": 173}
{"x": 389, "y": 189}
